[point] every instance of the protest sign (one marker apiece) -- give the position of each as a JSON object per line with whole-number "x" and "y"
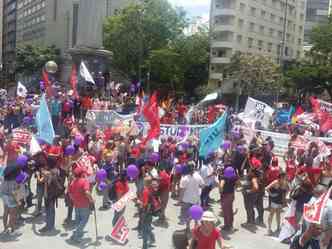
{"x": 21, "y": 136}
{"x": 120, "y": 204}
{"x": 104, "y": 118}
{"x": 258, "y": 111}
{"x": 120, "y": 231}
{"x": 325, "y": 106}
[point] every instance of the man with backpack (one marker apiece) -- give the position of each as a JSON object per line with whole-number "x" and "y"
{"x": 54, "y": 189}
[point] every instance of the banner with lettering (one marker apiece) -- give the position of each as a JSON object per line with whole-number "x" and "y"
{"x": 21, "y": 136}
{"x": 120, "y": 231}
{"x": 258, "y": 111}
{"x": 104, "y": 118}
{"x": 325, "y": 106}
{"x": 120, "y": 204}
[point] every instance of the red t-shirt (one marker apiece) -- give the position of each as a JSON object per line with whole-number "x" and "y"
{"x": 272, "y": 174}
{"x": 121, "y": 188}
{"x": 77, "y": 190}
{"x": 164, "y": 181}
{"x": 145, "y": 196}
{"x": 12, "y": 151}
{"x": 206, "y": 242}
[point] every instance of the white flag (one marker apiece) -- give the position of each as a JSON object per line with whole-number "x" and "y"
{"x": 85, "y": 73}
{"x": 34, "y": 146}
{"x": 209, "y": 97}
{"x": 21, "y": 90}
{"x": 258, "y": 111}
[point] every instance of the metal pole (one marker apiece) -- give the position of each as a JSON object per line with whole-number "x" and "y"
{"x": 282, "y": 47}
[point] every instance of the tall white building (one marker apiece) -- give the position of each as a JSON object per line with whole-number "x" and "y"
{"x": 255, "y": 27}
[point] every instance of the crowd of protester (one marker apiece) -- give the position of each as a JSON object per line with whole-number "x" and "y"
{"x": 174, "y": 170}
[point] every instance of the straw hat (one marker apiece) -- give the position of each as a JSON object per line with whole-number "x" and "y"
{"x": 208, "y": 216}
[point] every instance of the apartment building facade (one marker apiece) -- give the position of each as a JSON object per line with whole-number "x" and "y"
{"x": 9, "y": 37}
{"x": 273, "y": 28}
{"x": 317, "y": 12}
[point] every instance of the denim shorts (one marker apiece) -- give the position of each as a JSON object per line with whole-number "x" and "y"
{"x": 9, "y": 201}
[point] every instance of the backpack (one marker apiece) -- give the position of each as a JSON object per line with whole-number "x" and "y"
{"x": 55, "y": 189}
{"x": 112, "y": 192}
{"x": 154, "y": 207}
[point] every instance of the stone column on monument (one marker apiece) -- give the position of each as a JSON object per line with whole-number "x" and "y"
{"x": 91, "y": 16}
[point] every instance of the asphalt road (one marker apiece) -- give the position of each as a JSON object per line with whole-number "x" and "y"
{"x": 30, "y": 238}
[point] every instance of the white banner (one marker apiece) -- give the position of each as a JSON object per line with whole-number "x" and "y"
{"x": 325, "y": 106}
{"x": 258, "y": 111}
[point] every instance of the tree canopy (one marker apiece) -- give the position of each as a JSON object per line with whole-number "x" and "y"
{"x": 314, "y": 73}
{"x": 149, "y": 39}
{"x": 256, "y": 74}
{"x": 31, "y": 58}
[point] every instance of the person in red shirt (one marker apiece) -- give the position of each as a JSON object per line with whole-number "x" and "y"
{"x": 206, "y": 236}
{"x": 164, "y": 188}
{"x": 273, "y": 171}
{"x": 121, "y": 188}
{"x": 150, "y": 204}
{"x": 79, "y": 192}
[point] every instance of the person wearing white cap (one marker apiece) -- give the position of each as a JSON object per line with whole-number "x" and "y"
{"x": 206, "y": 236}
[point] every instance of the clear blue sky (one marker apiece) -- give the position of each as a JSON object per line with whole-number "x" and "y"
{"x": 194, "y": 7}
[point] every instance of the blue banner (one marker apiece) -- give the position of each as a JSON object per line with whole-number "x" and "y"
{"x": 44, "y": 122}
{"x": 212, "y": 137}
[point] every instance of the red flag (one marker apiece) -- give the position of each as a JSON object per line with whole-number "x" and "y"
{"x": 73, "y": 81}
{"x": 313, "y": 212}
{"x": 47, "y": 84}
{"x": 151, "y": 114}
{"x": 324, "y": 117}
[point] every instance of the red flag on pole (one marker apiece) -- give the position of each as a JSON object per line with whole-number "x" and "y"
{"x": 73, "y": 81}
{"x": 151, "y": 114}
{"x": 47, "y": 84}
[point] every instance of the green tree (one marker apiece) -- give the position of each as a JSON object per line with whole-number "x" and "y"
{"x": 314, "y": 73}
{"x": 255, "y": 74}
{"x": 139, "y": 29}
{"x": 31, "y": 59}
{"x": 183, "y": 64}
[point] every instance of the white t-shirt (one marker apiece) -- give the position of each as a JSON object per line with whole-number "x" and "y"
{"x": 206, "y": 173}
{"x": 192, "y": 186}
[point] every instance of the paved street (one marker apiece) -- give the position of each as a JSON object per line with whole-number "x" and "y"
{"x": 30, "y": 238}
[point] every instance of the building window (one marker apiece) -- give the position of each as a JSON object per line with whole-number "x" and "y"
{"x": 280, "y": 34}
{"x": 272, "y": 17}
{"x": 281, "y": 20}
{"x": 43, "y": 4}
{"x": 250, "y": 42}
{"x": 240, "y": 23}
{"x": 269, "y": 47}
{"x": 299, "y": 42}
{"x": 253, "y": 11}
{"x": 261, "y": 30}
{"x": 271, "y": 32}
{"x": 242, "y": 7}
{"x": 260, "y": 45}
{"x": 239, "y": 38}
{"x": 263, "y": 13}
{"x": 252, "y": 27}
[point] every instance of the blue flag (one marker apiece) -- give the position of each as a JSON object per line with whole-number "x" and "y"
{"x": 212, "y": 137}
{"x": 285, "y": 116}
{"x": 44, "y": 122}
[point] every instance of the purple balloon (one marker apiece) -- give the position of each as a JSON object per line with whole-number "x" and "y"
{"x": 178, "y": 168}
{"x": 29, "y": 101}
{"x": 154, "y": 157}
{"x": 22, "y": 160}
{"x": 101, "y": 175}
{"x": 78, "y": 140}
{"x": 102, "y": 186}
{"x": 22, "y": 177}
{"x": 132, "y": 171}
{"x": 226, "y": 145}
{"x": 229, "y": 173}
{"x": 69, "y": 150}
{"x": 27, "y": 120}
{"x": 196, "y": 212}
